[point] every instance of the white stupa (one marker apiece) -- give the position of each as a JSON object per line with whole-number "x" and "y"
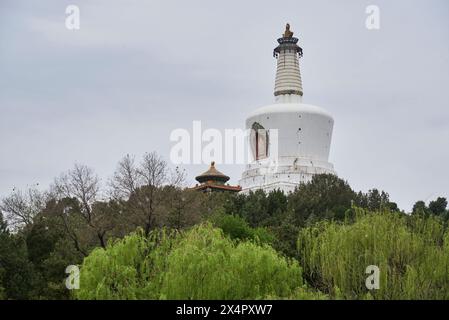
{"x": 301, "y": 146}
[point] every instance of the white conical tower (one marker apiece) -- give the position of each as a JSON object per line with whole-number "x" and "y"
{"x": 289, "y": 141}
{"x": 288, "y": 76}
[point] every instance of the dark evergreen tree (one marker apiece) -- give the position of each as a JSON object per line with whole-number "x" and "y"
{"x": 325, "y": 197}
{"x": 17, "y": 275}
{"x": 438, "y": 206}
{"x": 420, "y": 208}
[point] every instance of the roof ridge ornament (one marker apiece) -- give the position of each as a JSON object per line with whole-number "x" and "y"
{"x": 214, "y": 180}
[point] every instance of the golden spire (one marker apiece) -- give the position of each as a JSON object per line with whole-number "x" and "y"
{"x": 287, "y": 33}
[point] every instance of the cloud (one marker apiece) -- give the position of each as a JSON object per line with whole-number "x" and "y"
{"x": 137, "y": 70}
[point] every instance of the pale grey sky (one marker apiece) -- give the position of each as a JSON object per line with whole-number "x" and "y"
{"x": 136, "y": 70}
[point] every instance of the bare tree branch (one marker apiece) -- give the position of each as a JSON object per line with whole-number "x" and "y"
{"x": 21, "y": 207}
{"x": 140, "y": 186}
{"x": 126, "y": 179}
{"x": 153, "y": 170}
{"x": 80, "y": 183}
{"x": 178, "y": 177}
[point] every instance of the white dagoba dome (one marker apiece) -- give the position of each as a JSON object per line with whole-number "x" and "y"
{"x": 290, "y": 141}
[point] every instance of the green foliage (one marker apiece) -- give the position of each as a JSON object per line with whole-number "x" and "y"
{"x": 4, "y": 233}
{"x": 237, "y": 228}
{"x": 243, "y": 257}
{"x": 207, "y": 265}
{"x": 53, "y": 270}
{"x": 325, "y": 197}
{"x": 420, "y": 208}
{"x": 438, "y": 206}
{"x": 412, "y": 254}
{"x": 375, "y": 200}
{"x": 303, "y": 293}
{"x": 199, "y": 264}
{"x": 257, "y": 208}
{"x": 130, "y": 268}
{"x": 254, "y": 208}
{"x": 40, "y": 240}
{"x": 17, "y": 276}
{"x": 182, "y": 208}
{"x": 285, "y": 237}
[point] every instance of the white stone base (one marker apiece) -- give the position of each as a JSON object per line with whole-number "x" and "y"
{"x": 286, "y": 176}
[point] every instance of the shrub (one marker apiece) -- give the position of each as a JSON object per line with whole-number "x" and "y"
{"x": 237, "y": 228}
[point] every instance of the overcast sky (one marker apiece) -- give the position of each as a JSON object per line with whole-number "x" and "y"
{"x": 136, "y": 70}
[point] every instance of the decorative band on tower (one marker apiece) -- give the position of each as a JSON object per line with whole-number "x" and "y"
{"x": 288, "y": 76}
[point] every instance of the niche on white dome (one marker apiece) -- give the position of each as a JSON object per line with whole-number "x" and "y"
{"x": 259, "y": 139}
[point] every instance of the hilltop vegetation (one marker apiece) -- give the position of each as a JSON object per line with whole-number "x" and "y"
{"x": 203, "y": 263}
{"x": 144, "y": 236}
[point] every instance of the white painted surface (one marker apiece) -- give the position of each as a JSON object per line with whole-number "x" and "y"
{"x": 288, "y": 76}
{"x": 304, "y": 136}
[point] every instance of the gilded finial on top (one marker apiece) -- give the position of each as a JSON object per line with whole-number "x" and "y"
{"x": 287, "y": 33}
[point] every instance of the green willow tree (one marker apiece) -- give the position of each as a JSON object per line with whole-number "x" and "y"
{"x": 199, "y": 264}
{"x": 412, "y": 254}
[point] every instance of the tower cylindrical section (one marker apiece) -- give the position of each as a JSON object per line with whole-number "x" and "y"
{"x": 288, "y": 76}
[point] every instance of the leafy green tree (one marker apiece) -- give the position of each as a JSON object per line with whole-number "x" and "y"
{"x": 65, "y": 215}
{"x": 206, "y": 265}
{"x": 3, "y": 234}
{"x": 50, "y": 251}
{"x": 276, "y": 208}
{"x": 255, "y": 207}
{"x": 199, "y": 264}
{"x": 17, "y": 275}
{"x": 53, "y": 269}
{"x": 285, "y": 239}
{"x": 40, "y": 241}
{"x": 393, "y": 206}
{"x": 375, "y": 200}
{"x": 3, "y": 225}
{"x": 237, "y": 228}
{"x": 438, "y": 206}
{"x": 231, "y": 203}
{"x": 182, "y": 208}
{"x": 325, "y": 197}
{"x": 233, "y": 226}
{"x": 131, "y": 268}
{"x": 420, "y": 208}
{"x": 412, "y": 256}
